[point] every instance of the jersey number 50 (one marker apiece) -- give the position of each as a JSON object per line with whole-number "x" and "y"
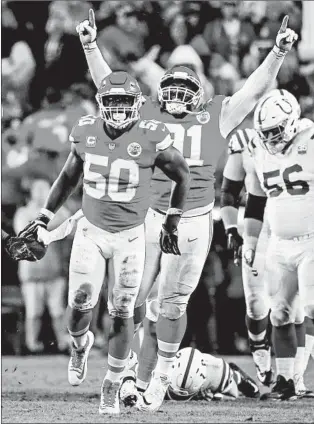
{"x": 294, "y": 188}
{"x": 97, "y": 185}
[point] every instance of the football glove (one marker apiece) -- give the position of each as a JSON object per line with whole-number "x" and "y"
{"x": 168, "y": 241}
{"x": 286, "y": 37}
{"x": 24, "y": 249}
{"x": 31, "y": 229}
{"x": 87, "y": 30}
{"x": 234, "y": 243}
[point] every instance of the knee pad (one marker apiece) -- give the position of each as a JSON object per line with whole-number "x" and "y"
{"x": 152, "y": 310}
{"x": 81, "y": 298}
{"x": 172, "y": 310}
{"x": 281, "y": 315}
{"x": 256, "y": 307}
{"x": 122, "y": 305}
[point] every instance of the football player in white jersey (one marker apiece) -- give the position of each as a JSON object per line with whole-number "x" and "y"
{"x": 282, "y": 152}
{"x": 179, "y": 278}
{"x": 237, "y": 172}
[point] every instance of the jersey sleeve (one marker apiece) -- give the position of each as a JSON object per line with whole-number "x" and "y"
{"x": 78, "y": 132}
{"x": 241, "y": 140}
{"x": 163, "y": 138}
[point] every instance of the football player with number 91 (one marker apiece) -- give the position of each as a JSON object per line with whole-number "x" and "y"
{"x": 199, "y": 130}
{"x": 116, "y": 154}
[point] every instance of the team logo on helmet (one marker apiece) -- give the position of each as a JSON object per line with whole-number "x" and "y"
{"x": 203, "y": 117}
{"x": 91, "y": 141}
{"x": 134, "y": 149}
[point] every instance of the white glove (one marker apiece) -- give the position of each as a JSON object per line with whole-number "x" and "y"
{"x": 87, "y": 31}
{"x": 60, "y": 232}
{"x": 285, "y": 36}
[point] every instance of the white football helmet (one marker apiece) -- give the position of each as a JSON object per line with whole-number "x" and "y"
{"x": 189, "y": 374}
{"x": 276, "y": 119}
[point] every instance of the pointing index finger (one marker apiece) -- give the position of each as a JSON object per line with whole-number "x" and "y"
{"x": 284, "y": 24}
{"x": 91, "y": 18}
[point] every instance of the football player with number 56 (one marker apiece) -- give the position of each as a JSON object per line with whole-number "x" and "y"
{"x": 199, "y": 130}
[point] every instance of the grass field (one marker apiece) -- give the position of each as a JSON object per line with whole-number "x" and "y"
{"x": 35, "y": 389}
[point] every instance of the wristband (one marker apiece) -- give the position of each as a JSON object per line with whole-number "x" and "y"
{"x": 278, "y": 51}
{"x": 174, "y": 211}
{"x": 47, "y": 213}
{"x": 249, "y": 242}
{"x": 90, "y": 46}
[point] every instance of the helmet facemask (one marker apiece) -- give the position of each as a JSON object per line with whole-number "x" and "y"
{"x": 179, "y": 94}
{"x": 119, "y": 109}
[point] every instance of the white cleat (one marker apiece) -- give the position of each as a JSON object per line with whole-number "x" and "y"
{"x": 77, "y": 368}
{"x": 262, "y": 361}
{"x": 109, "y": 398}
{"x": 300, "y": 389}
{"x": 154, "y": 395}
{"x": 128, "y": 392}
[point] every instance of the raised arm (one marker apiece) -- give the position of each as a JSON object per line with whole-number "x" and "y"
{"x": 97, "y": 65}
{"x": 240, "y": 104}
{"x": 61, "y": 189}
{"x": 172, "y": 163}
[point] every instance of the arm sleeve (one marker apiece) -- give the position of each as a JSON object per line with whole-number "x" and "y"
{"x": 255, "y": 207}
{"x": 97, "y": 65}
{"x": 230, "y": 192}
{"x": 240, "y": 104}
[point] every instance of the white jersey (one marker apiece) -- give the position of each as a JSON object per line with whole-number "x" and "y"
{"x": 288, "y": 181}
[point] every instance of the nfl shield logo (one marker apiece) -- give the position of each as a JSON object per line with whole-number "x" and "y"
{"x": 91, "y": 141}
{"x": 203, "y": 117}
{"x": 302, "y": 149}
{"x": 134, "y": 149}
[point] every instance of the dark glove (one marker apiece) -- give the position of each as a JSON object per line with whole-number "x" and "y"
{"x": 234, "y": 243}
{"x": 27, "y": 249}
{"x": 168, "y": 241}
{"x": 31, "y": 229}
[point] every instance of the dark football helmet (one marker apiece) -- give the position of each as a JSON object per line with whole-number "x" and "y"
{"x": 119, "y": 98}
{"x": 180, "y": 90}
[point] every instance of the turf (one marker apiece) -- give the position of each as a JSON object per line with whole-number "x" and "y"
{"x": 35, "y": 389}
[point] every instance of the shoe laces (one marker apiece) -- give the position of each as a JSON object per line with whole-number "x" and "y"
{"x": 77, "y": 358}
{"x": 109, "y": 393}
{"x": 158, "y": 386}
{"x": 262, "y": 359}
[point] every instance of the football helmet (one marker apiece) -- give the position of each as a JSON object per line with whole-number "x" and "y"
{"x": 276, "y": 119}
{"x": 180, "y": 90}
{"x": 188, "y": 376}
{"x": 119, "y": 98}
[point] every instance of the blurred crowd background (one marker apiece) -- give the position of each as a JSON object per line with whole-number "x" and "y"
{"x": 46, "y": 87}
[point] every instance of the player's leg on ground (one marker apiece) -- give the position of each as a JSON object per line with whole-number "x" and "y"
{"x": 257, "y": 312}
{"x": 55, "y": 299}
{"x": 306, "y": 287}
{"x": 282, "y": 289}
{"x": 178, "y": 278}
{"x": 125, "y": 272}
{"x": 87, "y": 269}
{"x": 33, "y": 295}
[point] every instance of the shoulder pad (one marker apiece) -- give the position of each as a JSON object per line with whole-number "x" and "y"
{"x": 157, "y": 132}
{"x": 80, "y": 127}
{"x": 218, "y": 99}
{"x": 149, "y": 108}
{"x": 241, "y": 140}
{"x": 305, "y": 123}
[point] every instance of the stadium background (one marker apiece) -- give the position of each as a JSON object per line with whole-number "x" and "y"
{"x": 44, "y": 71}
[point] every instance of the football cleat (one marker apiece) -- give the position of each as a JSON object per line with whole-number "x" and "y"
{"x": 109, "y": 398}
{"x": 283, "y": 390}
{"x": 247, "y": 385}
{"x": 153, "y": 397}
{"x": 77, "y": 368}
{"x": 128, "y": 393}
{"x": 301, "y": 390}
{"x": 262, "y": 359}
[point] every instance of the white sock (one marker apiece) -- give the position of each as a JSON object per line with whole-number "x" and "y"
{"x": 257, "y": 337}
{"x": 164, "y": 365}
{"x": 79, "y": 341}
{"x": 309, "y": 348}
{"x": 299, "y": 362}
{"x": 285, "y": 367}
{"x": 141, "y": 384}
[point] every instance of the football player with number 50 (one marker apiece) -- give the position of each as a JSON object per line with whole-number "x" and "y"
{"x": 199, "y": 130}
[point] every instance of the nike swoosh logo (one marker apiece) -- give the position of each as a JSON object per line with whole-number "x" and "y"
{"x": 132, "y": 239}
{"x": 189, "y": 240}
